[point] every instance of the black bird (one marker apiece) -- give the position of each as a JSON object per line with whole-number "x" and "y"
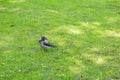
{"x": 45, "y": 43}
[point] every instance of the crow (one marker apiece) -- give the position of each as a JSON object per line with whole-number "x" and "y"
{"x": 45, "y": 43}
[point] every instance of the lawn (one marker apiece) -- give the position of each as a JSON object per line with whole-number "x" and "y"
{"x": 86, "y": 33}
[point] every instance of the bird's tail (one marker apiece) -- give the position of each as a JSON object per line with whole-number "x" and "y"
{"x": 54, "y": 46}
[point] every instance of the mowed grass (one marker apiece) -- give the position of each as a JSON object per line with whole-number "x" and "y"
{"x": 87, "y": 33}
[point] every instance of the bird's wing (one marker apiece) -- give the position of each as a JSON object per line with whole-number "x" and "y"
{"x": 46, "y": 43}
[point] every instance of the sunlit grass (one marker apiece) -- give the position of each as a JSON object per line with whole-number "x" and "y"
{"x": 17, "y": 1}
{"x": 112, "y": 33}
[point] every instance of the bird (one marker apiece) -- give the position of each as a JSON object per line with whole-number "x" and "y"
{"x": 45, "y": 43}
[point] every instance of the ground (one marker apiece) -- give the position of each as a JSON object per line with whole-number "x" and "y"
{"x": 86, "y": 33}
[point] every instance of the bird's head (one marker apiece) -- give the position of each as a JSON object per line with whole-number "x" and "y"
{"x": 43, "y": 38}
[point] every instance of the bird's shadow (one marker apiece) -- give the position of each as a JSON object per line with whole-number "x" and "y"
{"x": 44, "y": 50}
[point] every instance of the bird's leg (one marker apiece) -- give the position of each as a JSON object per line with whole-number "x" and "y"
{"x": 45, "y": 49}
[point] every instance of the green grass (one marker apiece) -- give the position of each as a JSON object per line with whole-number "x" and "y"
{"x": 87, "y": 33}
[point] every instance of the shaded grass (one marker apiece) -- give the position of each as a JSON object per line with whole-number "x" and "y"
{"x": 87, "y": 34}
